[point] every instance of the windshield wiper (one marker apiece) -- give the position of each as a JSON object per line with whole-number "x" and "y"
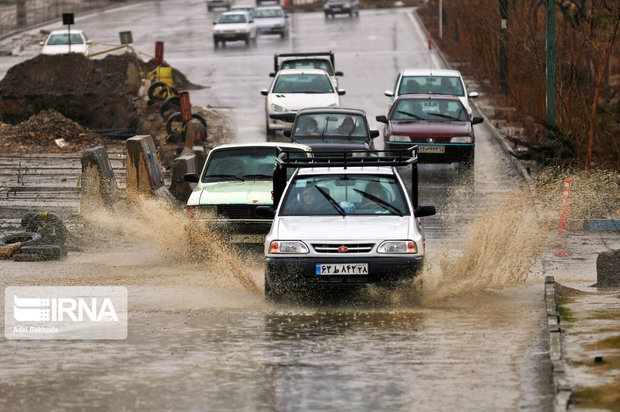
{"x": 445, "y": 116}
{"x": 332, "y": 201}
{"x": 226, "y": 176}
{"x": 415, "y": 116}
{"x": 380, "y": 202}
{"x": 257, "y": 175}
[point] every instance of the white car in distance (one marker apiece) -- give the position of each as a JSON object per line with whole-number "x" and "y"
{"x": 234, "y": 26}
{"x": 295, "y": 89}
{"x": 432, "y": 81}
{"x": 65, "y": 42}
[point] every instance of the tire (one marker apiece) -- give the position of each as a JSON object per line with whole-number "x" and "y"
{"x": 159, "y": 91}
{"x": 176, "y": 118}
{"x": 247, "y": 39}
{"x": 171, "y": 103}
{"x": 272, "y": 295}
{"x": 26, "y": 239}
{"x": 51, "y": 228}
{"x": 27, "y": 218}
{"x": 326, "y": 16}
{"x": 270, "y": 132}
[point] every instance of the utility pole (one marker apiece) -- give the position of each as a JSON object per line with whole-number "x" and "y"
{"x": 503, "y": 40}
{"x": 550, "y": 66}
{"x": 440, "y": 19}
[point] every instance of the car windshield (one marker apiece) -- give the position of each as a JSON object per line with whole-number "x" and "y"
{"x": 62, "y": 39}
{"x": 242, "y": 164}
{"x": 303, "y": 83}
{"x": 346, "y": 194}
{"x": 331, "y": 124}
{"x": 268, "y": 13}
{"x": 450, "y": 85}
{"x": 308, "y": 64}
{"x": 232, "y": 18}
{"x": 428, "y": 109}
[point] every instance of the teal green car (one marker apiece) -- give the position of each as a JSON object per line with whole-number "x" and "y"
{"x": 236, "y": 179}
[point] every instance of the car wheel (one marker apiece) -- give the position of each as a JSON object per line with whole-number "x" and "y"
{"x": 327, "y": 15}
{"x": 247, "y": 39}
{"x": 357, "y": 13}
{"x": 270, "y": 132}
{"x": 271, "y": 294}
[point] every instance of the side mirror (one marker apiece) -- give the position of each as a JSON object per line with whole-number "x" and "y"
{"x": 341, "y": 92}
{"x": 214, "y": 23}
{"x": 382, "y": 119}
{"x": 374, "y": 133}
{"x": 272, "y": 74}
{"x": 473, "y": 95}
{"x": 422, "y": 211}
{"x": 41, "y": 43}
{"x": 191, "y": 177}
{"x": 264, "y": 92}
{"x": 287, "y": 132}
{"x": 265, "y": 211}
{"x": 339, "y": 74}
{"x": 477, "y": 120}
{"x": 389, "y": 93}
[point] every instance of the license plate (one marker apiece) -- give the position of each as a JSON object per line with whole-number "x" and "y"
{"x": 240, "y": 238}
{"x": 336, "y": 9}
{"x": 229, "y": 36}
{"x": 432, "y": 149}
{"x": 341, "y": 269}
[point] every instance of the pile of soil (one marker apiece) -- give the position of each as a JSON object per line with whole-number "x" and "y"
{"x": 39, "y": 134}
{"x": 70, "y": 96}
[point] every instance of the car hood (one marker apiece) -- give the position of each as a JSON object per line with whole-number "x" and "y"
{"x": 298, "y": 101}
{"x": 334, "y": 145}
{"x": 423, "y": 128}
{"x": 231, "y": 26}
{"x": 342, "y": 228}
{"x": 248, "y": 192}
{"x": 64, "y": 49}
{"x": 269, "y": 22}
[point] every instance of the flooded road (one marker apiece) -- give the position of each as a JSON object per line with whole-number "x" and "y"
{"x": 197, "y": 342}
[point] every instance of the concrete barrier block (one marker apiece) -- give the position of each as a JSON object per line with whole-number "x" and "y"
{"x": 96, "y": 158}
{"x": 143, "y": 169}
{"x": 608, "y": 269}
{"x": 179, "y": 188}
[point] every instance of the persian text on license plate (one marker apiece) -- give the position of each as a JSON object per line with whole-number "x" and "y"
{"x": 341, "y": 269}
{"x": 432, "y": 149}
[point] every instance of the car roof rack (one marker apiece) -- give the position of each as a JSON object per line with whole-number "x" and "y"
{"x": 362, "y": 158}
{"x": 276, "y": 56}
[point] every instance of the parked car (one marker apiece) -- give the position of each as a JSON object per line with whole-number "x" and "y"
{"x": 211, "y": 4}
{"x": 271, "y": 20}
{"x": 236, "y": 178}
{"x": 293, "y": 90}
{"x": 438, "y": 125}
{"x": 333, "y": 130}
{"x": 65, "y": 42}
{"x": 333, "y": 7}
{"x": 311, "y": 60}
{"x": 243, "y": 7}
{"x": 343, "y": 225}
{"x": 234, "y": 26}
{"x": 432, "y": 81}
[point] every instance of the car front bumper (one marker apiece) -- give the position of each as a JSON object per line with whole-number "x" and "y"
{"x": 249, "y": 232}
{"x": 229, "y": 36}
{"x": 451, "y": 152}
{"x": 290, "y": 273}
{"x": 271, "y": 30}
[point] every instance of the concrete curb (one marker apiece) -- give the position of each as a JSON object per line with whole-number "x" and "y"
{"x": 518, "y": 165}
{"x": 562, "y": 389}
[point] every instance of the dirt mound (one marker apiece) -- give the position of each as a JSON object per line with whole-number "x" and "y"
{"x": 39, "y": 133}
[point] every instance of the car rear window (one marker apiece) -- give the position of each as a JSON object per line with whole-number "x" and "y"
{"x": 266, "y": 13}
{"x": 308, "y": 64}
{"x": 331, "y": 124}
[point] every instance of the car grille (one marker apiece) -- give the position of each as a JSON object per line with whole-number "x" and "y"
{"x": 351, "y": 247}
{"x": 237, "y": 212}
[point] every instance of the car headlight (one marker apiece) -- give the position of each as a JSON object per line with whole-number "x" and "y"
{"x": 277, "y": 108}
{"x": 399, "y": 138}
{"x": 461, "y": 139}
{"x": 397, "y": 246}
{"x": 288, "y": 246}
{"x": 242, "y": 30}
{"x": 202, "y": 212}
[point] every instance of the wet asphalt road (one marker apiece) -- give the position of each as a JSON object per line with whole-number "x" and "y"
{"x": 199, "y": 341}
